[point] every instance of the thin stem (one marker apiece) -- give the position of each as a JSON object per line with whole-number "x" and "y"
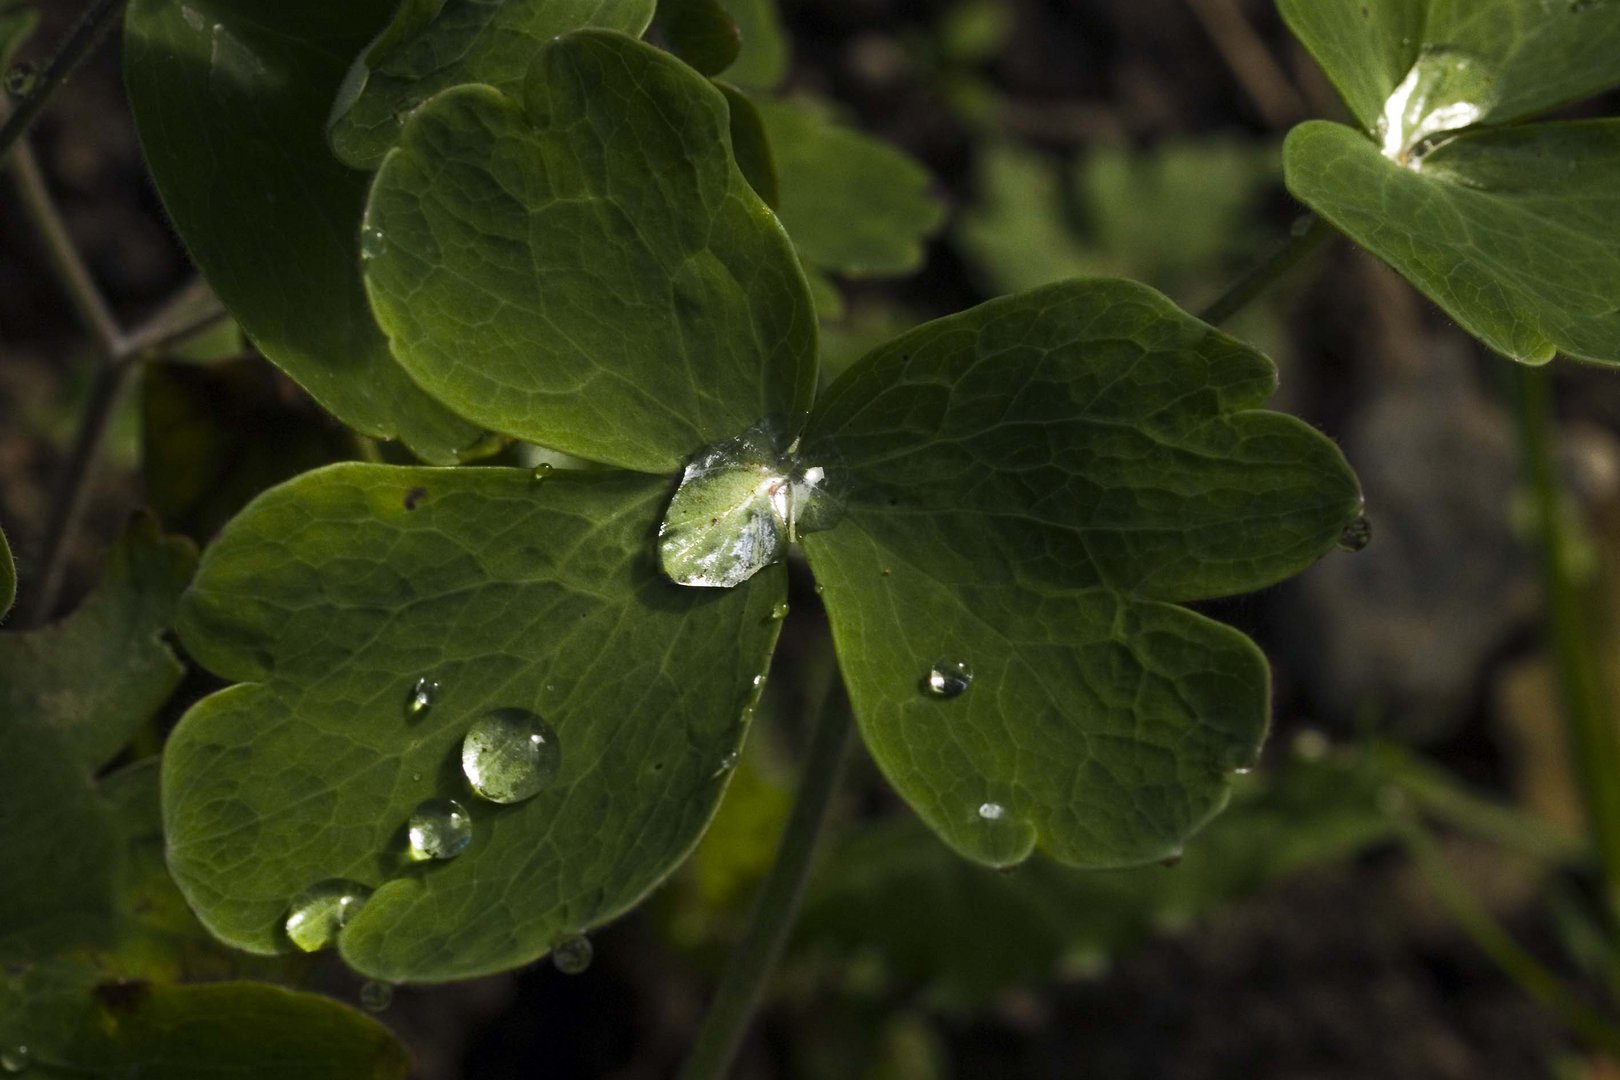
{"x": 190, "y": 311}
{"x": 1307, "y": 236}
{"x": 73, "y": 490}
{"x": 80, "y": 41}
{"x": 749, "y": 968}
{"x": 70, "y": 271}
{"x": 1593, "y": 738}
{"x": 1247, "y": 57}
{"x": 1499, "y": 947}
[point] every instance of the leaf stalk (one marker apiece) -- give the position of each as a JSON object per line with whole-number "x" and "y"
{"x": 1308, "y": 235}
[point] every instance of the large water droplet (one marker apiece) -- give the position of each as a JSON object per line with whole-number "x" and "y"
{"x": 321, "y": 910}
{"x": 741, "y": 501}
{"x": 21, "y": 79}
{"x": 1356, "y": 535}
{"x": 439, "y": 829}
{"x": 1445, "y": 90}
{"x": 376, "y": 996}
{"x": 421, "y": 698}
{"x": 509, "y": 755}
{"x": 949, "y": 678}
{"x": 572, "y": 955}
{"x": 16, "y": 1059}
{"x": 372, "y": 242}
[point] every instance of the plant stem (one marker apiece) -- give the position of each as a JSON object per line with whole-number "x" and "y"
{"x": 1308, "y": 234}
{"x": 85, "y": 35}
{"x": 1593, "y": 739}
{"x": 1494, "y": 941}
{"x": 749, "y": 968}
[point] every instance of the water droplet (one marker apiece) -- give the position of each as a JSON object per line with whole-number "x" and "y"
{"x": 992, "y": 811}
{"x": 321, "y": 910}
{"x": 439, "y": 829}
{"x": 1171, "y": 860}
{"x": 759, "y": 681}
{"x": 376, "y": 996}
{"x": 1356, "y": 535}
{"x": 421, "y": 698}
{"x": 1239, "y": 759}
{"x": 21, "y": 79}
{"x": 572, "y": 955}
{"x": 542, "y": 470}
{"x": 727, "y": 763}
{"x": 509, "y": 755}
{"x": 372, "y": 242}
{"x": 949, "y": 678}
{"x": 1446, "y": 90}
{"x": 16, "y": 1059}
{"x": 779, "y": 612}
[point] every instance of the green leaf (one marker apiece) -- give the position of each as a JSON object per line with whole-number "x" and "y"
{"x": 8, "y": 576}
{"x": 98, "y": 675}
{"x": 751, "y": 144}
{"x": 77, "y": 1023}
{"x": 588, "y": 269}
{"x": 701, "y": 32}
{"x": 212, "y": 437}
{"x": 230, "y": 99}
{"x": 1030, "y": 486}
{"x": 16, "y": 24}
{"x": 333, "y": 594}
{"x": 853, "y": 205}
{"x": 762, "y": 62}
{"x": 452, "y": 42}
{"x": 967, "y": 933}
{"x": 1515, "y": 232}
{"x": 1535, "y": 54}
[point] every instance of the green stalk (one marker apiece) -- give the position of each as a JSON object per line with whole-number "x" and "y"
{"x": 80, "y": 41}
{"x": 1583, "y": 686}
{"x": 742, "y": 987}
{"x": 1308, "y": 235}
{"x": 1499, "y": 947}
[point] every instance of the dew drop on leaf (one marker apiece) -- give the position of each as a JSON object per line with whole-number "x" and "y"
{"x": 949, "y": 678}
{"x": 573, "y": 954}
{"x": 510, "y": 755}
{"x": 992, "y": 811}
{"x": 21, "y": 78}
{"x": 1356, "y": 535}
{"x": 727, "y": 763}
{"x": 321, "y": 910}
{"x": 372, "y": 242}
{"x": 542, "y": 470}
{"x": 779, "y": 612}
{"x": 421, "y": 698}
{"x": 16, "y": 1059}
{"x": 439, "y": 829}
{"x": 376, "y": 996}
{"x": 1444, "y": 91}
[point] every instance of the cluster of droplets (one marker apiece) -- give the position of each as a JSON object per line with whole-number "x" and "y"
{"x": 508, "y": 755}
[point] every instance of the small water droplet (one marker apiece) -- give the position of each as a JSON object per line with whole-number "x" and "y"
{"x": 759, "y": 681}
{"x": 509, "y": 755}
{"x": 572, "y": 955}
{"x": 779, "y": 612}
{"x": 376, "y": 996}
{"x": 372, "y": 242}
{"x": 949, "y": 678}
{"x": 321, "y": 910}
{"x": 21, "y": 79}
{"x": 439, "y": 829}
{"x": 1356, "y": 535}
{"x": 16, "y": 1059}
{"x": 992, "y": 811}
{"x": 421, "y": 698}
{"x": 727, "y": 763}
{"x": 542, "y": 470}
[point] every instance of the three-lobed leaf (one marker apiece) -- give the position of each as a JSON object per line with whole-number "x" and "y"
{"x": 1029, "y": 489}
{"x": 333, "y": 594}
{"x": 1510, "y": 229}
{"x": 230, "y": 99}
{"x": 588, "y": 268}
{"x": 444, "y": 43}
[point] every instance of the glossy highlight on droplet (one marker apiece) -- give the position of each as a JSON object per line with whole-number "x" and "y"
{"x": 438, "y": 829}
{"x": 992, "y": 811}
{"x": 16, "y": 1059}
{"x": 1356, "y": 535}
{"x": 573, "y": 955}
{"x": 510, "y": 755}
{"x": 372, "y": 243}
{"x": 948, "y": 678}
{"x": 322, "y": 910}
